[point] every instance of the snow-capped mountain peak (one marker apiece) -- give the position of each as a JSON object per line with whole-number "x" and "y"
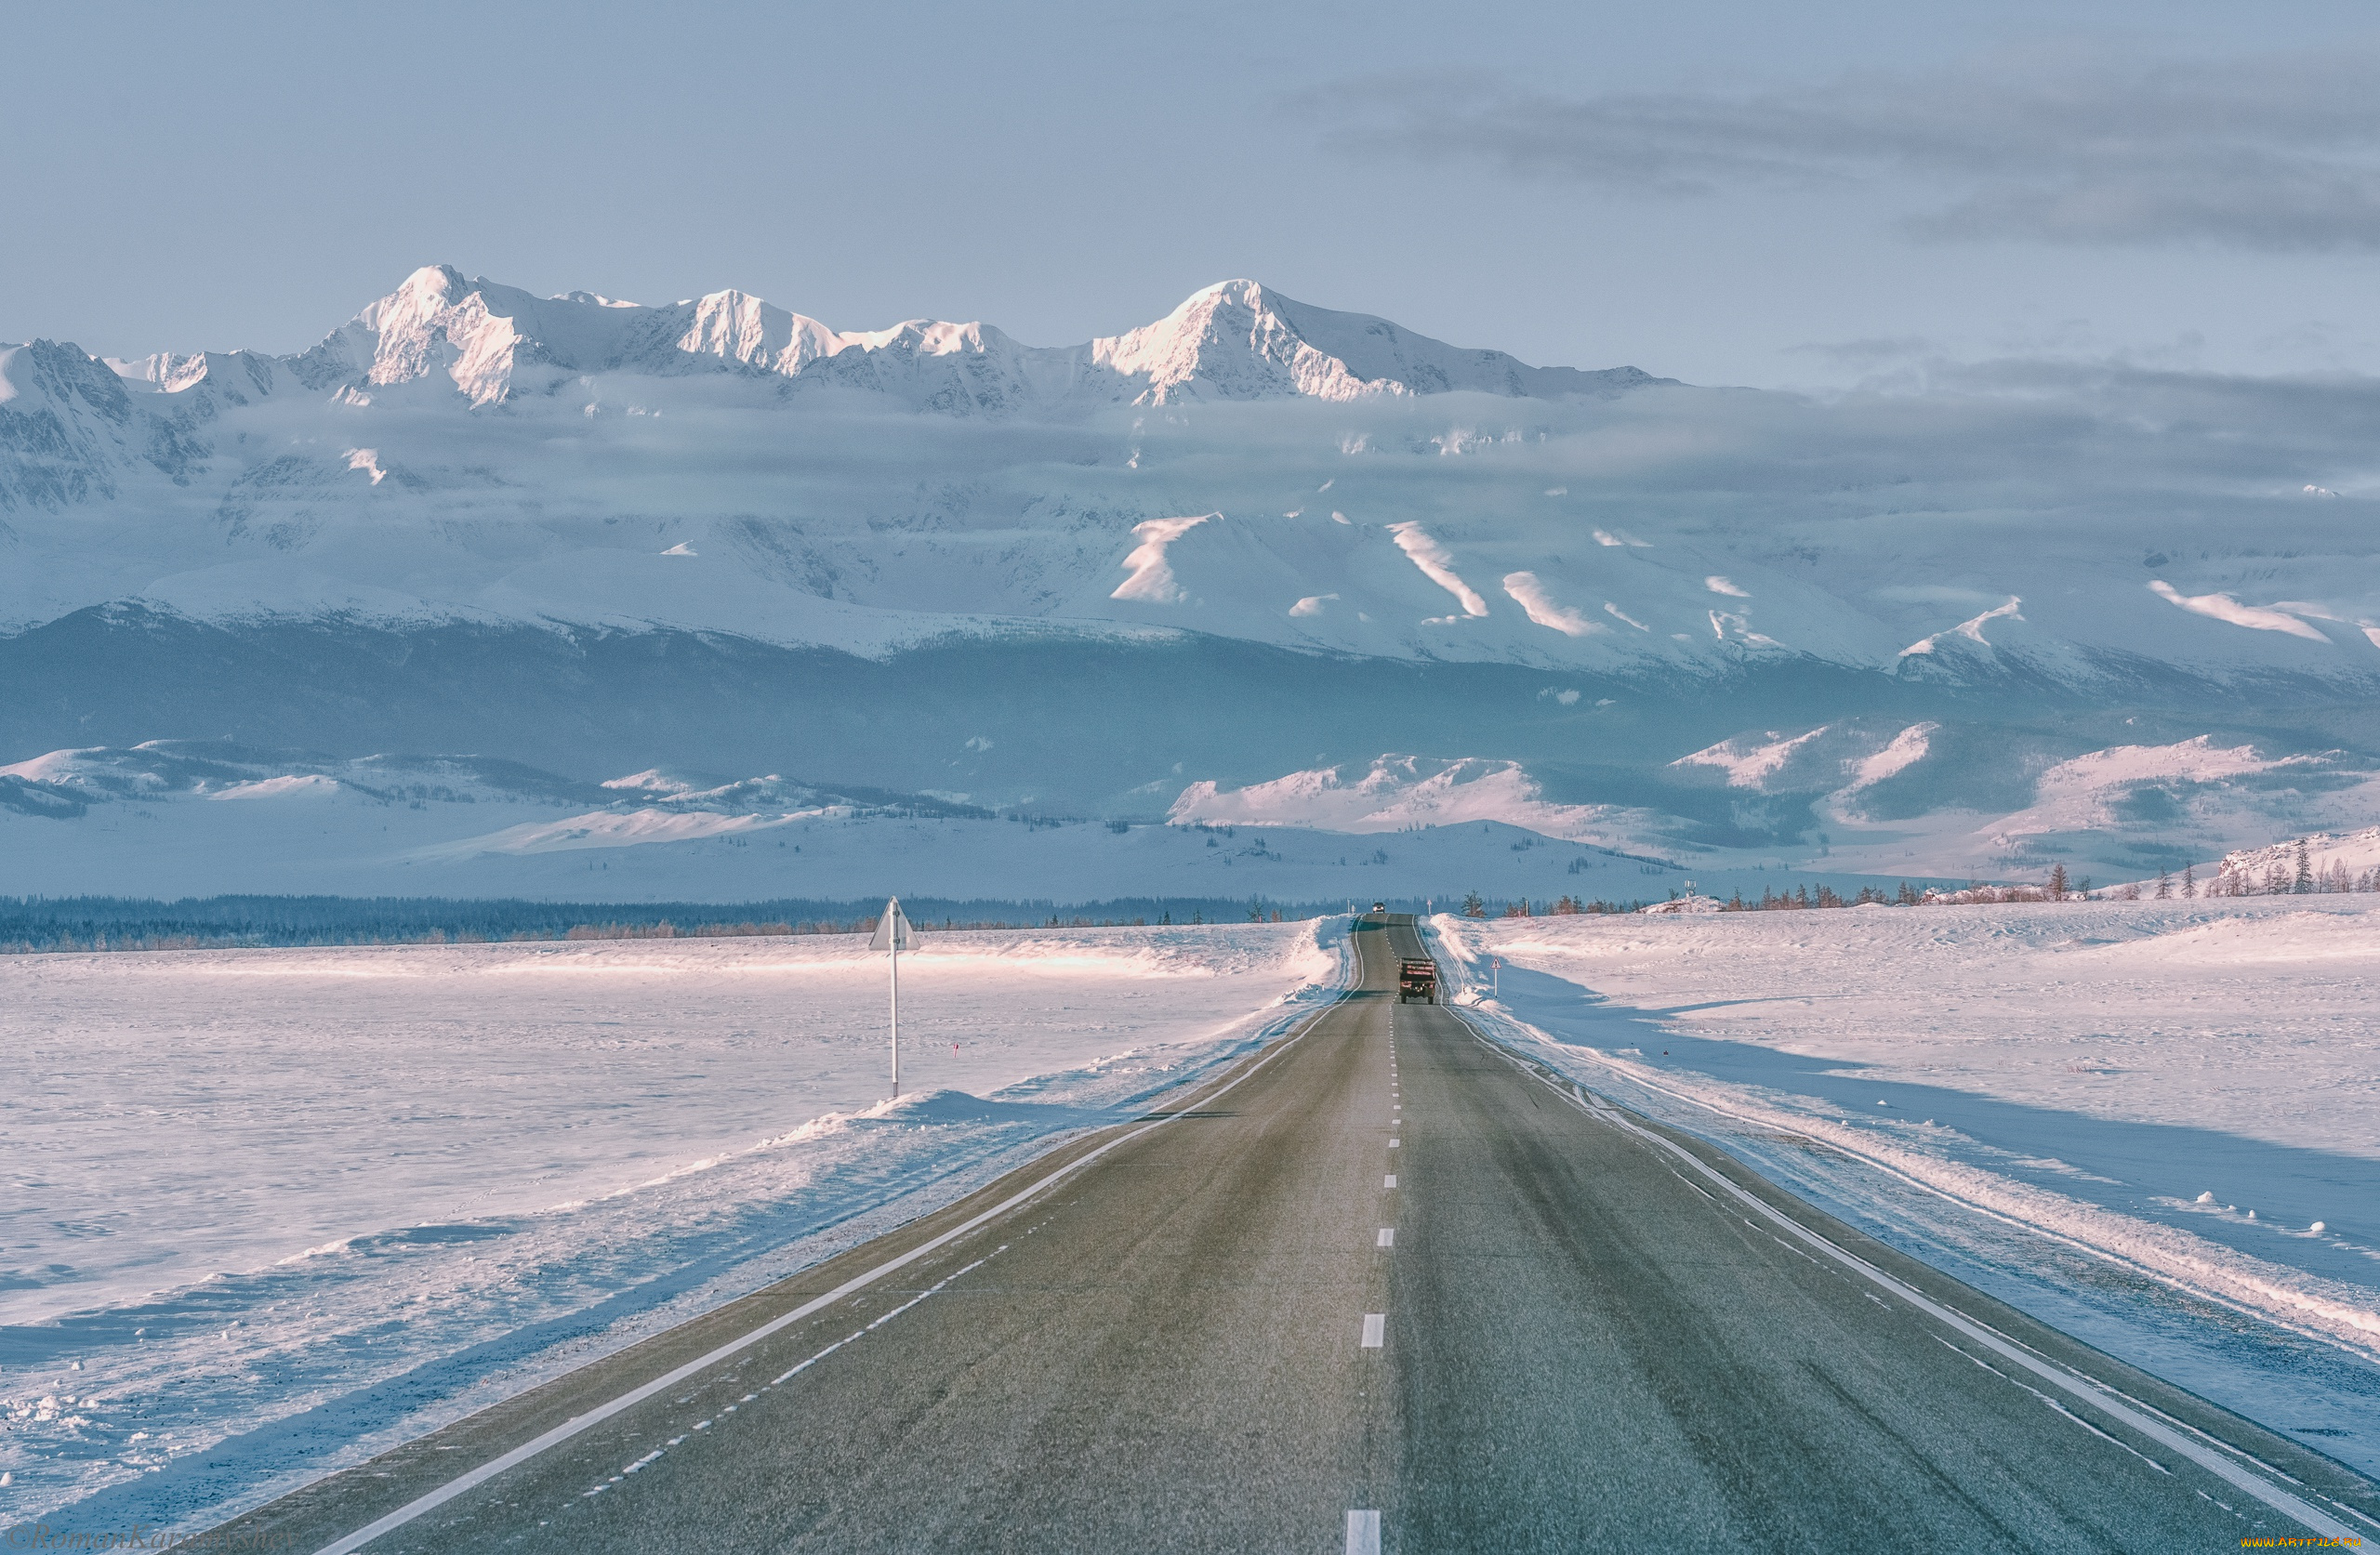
{"x": 736, "y": 326}
{"x": 1229, "y": 341}
{"x": 1233, "y": 340}
{"x": 478, "y": 333}
{"x": 237, "y": 375}
{"x": 483, "y": 336}
{"x": 1239, "y": 340}
{"x": 66, "y": 427}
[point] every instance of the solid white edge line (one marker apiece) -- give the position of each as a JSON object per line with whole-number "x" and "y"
{"x": 2093, "y": 1393}
{"x": 472, "y": 1478}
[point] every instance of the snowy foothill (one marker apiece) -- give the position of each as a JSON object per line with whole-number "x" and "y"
{"x": 173, "y": 818}
{"x": 187, "y": 818}
{"x": 264, "y": 1211}
{"x": 2155, "y": 1125}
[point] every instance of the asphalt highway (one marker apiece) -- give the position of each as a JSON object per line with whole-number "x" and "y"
{"x": 1384, "y": 1288}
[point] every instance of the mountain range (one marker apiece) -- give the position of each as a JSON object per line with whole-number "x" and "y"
{"x": 1162, "y": 574}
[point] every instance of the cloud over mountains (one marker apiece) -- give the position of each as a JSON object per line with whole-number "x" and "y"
{"x": 2275, "y": 152}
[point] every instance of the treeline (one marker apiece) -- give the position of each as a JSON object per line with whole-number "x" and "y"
{"x": 2292, "y": 874}
{"x": 36, "y": 924}
{"x": 1803, "y": 898}
{"x": 1475, "y": 906}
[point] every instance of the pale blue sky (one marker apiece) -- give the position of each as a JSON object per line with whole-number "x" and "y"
{"x": 1725, "y": 192}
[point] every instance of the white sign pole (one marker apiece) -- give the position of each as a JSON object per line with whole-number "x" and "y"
{"x": 893, "y": 934}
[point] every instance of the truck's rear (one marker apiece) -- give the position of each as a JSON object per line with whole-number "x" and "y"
{"x": 1417, "y": 980}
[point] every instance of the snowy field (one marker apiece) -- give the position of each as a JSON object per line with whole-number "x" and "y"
{"x": 259, "y": 1203}
{"x": 2155, "y": 1125}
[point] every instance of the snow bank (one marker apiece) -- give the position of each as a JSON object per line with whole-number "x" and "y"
{"x": 390, "y": 1185}
{"x": 1686, "y": 906}
{"x": 2140, "y": 1121}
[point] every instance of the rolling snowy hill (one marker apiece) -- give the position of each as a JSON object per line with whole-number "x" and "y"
{"x": 1169, "y": 571}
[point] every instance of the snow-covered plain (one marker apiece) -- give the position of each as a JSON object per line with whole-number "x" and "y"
{"x": 2155, "y": 1125}
{"x": 266, "y": 1210}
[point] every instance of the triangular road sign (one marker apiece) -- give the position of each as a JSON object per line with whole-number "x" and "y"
{"x": 893, "y": 930}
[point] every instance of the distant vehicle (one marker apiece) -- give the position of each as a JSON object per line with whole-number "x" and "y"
{"x": 1380, "y": 906}
{"x": 1417, "y": 980}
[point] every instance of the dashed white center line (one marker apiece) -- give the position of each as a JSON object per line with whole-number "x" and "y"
{"x": 1389, "y": 1181}
{"x": 1388, "y": 1236}
{"x": 1375, "y": 1330}
{"x": 1393, "y": 1143}
{"x": 1362, "y": 1533}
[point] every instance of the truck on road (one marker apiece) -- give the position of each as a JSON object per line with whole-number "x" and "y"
{"x": 1417, "y": 980}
